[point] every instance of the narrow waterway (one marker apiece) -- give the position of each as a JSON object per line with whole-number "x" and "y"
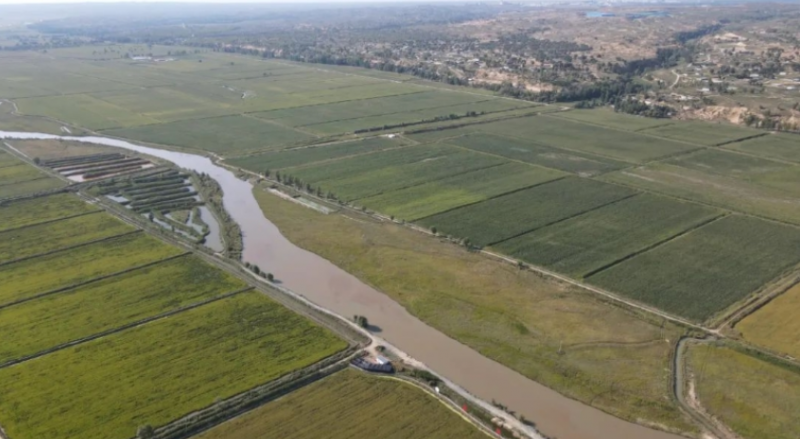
{"x": 328, "y": 286}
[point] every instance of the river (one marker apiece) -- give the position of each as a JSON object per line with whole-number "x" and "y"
{"x": 330, "y": 287}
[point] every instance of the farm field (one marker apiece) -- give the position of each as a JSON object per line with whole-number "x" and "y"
{"x": 57, "y": 149}
{"x": 30, "y": 187}
{"x": 705, "y": 271}
{"x": 774, "y": 145}
{"x": 82, "y": 110}
{"x": 351, "y": 404}
{"x": 755, "y": 398}
{"x": 702, "y": 133}
{"x": 530, "y": 152}
{"x": 427, "y": 199}
{"x": 512, "y": 316}
{"x": 611, "y": 119}
{"x": 591, "y": 241}
{"x": 498, "y": 219}
{"x": 775, "y": 325}
{"x": 24, "y": 279}
{"x": 42, "y": 209}
{"x": 308, "y": 155}
{"x": 224, "y": 135}
{"x": 19, "y": 173}
{"x": 561, "y": 133}
{"x": 38, "y": 239}
{"x": 214, "y": 351}
{"x": 110, "y": 303}
{"x": 718, "y": 190}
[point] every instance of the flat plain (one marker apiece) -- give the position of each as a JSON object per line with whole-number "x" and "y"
{"x": 42, "y": 209}
{"x": 774, "y": 145}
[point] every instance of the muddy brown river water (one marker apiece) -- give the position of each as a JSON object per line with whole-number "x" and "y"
{"x": 328, "y": 286}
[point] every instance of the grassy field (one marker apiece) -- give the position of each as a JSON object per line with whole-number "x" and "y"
{"x": 59, "y": 149}
{"x": 776, "y": 325}
{"x": 702, "y": 133}
{"x": 38, "y": 210}
{"x": 562, "y": 133}
{"x": 82, "y": 110}
{"x": 351, "y": 404}
{"x": 593, "y": 240}
{"x": 611, "y": 119}
{"x": 228, "y": 135}
{"x": 777, "y": 146}
{"x": 705, "y": 271}
{"x": 501, "y": 218}
{"x": 30, "y": 187}
{"x": 417, "y": 202}
{"x": 303, "y": 156}
{"x": 108, "y": 304}
{"x": 157, "y": 372}
{"x": 532, "y": 152}
{"x": 63, "y": 269}
{"x": 28, "y": 241}
{"x": 756, "y": 399}
{"x": 19, "y": 173}
{"x": 609, "y": 358}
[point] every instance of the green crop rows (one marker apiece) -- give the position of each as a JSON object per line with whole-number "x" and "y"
{"x": 708, "y": 269}
{"x": 38, "y": 210}
{"x": 511, "y": 215}
{"x": 702, "y": 133}
{"x": 154, "y": 373}
{"x": 777, "y": 146}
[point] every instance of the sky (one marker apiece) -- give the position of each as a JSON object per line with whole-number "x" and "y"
{"x": 29, "y": 2}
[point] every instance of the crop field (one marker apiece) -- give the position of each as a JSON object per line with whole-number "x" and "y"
{"x": 702, "y": 133}
{"x": 302, "y": 156}
{"x": 707, "y": 270}
{"x": 593, "y": 240}
{"x": 498, "y": 219}
{"x": 417, "y": 202}
{"x": 718, "y": 190}
{"x": 224, "y": 135}
{"x": 611, "y": 119}
{"x": 561, "y": 133}
{"x": 7, "y": 160}
{"x": 82, "y": 110}
{"x": 779, "y": 146}
{"x": 373, "y": 182}
{"x": 755, "y": 398}
{"x": 350, "y": 404}
{"x": 775, "y": 325}
{"x": 111, "y": 303}
{"x": 18, "y": 174}
{"x": 38, "y": 210}
{"x": 31, "y": 277}
{"x": 531, "y": 152}
{"x": 33, "y": 240}
{"x": 159, "y": 371}
{"x": 30, "y": 187}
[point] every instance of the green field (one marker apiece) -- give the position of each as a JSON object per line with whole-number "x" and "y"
{"x": 82, "y": 110}
{"x": 417, "y": 202}
{"x": 532, "y": 152}
{"x": 505, "y": 217}
{"x": 30, "y": 187}
{"x": 154, "y": 373}
{"x": 350, "y": 404}
{"x": 18, "y": 174}
{"x": 755, "y": 398}
{"x": 611, "y": 119}
{"x": 227, "y": 135}
{"x": 111, "y": 303}
{"x": 702, "y": 133}
{"x": 565, "y": 134}
{"x": 33, "y": 240}
{"x": 63, "y": 269}
{"x": 775, "y": 145}
{"x": 775, "y": 325}
{"x": 593, "y": 240}
{"x": 302, "y": 156}
{"x": 38, "y": 210}
{"x": 707, "y": 270}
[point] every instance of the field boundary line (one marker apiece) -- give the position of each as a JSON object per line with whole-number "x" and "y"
{"x": 656, "y": 244}
{"x": 728, "y": 142}
{"x": 122, "y": 328}
{"x": 71, "y": 247}
{"x": 78, "y": 215}
{"x": 583, "y": 212}
{"x": 90, "y": 281}
{"x": 756, "y": 300}
{"x": 12, "y": 183}
{"x": 493, "y": 197}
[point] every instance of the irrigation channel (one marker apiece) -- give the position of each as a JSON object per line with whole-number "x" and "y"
{"x": 332, "y": 288}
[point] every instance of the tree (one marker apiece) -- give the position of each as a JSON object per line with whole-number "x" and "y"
{"x": 256, "y": 269}
{"x": 266, "y": 173}
{"x": 37, "y": 160}
{"x": 145, "y": 432}
{"x": 433, "y": 230}
{"x": 270, "y": 277}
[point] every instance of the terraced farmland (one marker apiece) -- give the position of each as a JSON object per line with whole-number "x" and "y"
{"x": 214, "y": 351}
{"x": 431, "y": 198}
{"x": 593, "y": 240}
{"x": 375, "y": 407}
{"x": 505, "y": 217}
{"x": 707, "y": 270}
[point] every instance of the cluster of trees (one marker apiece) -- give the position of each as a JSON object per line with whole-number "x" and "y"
{"x": 295, "y": 182}
{"x": 258, "y": 271}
